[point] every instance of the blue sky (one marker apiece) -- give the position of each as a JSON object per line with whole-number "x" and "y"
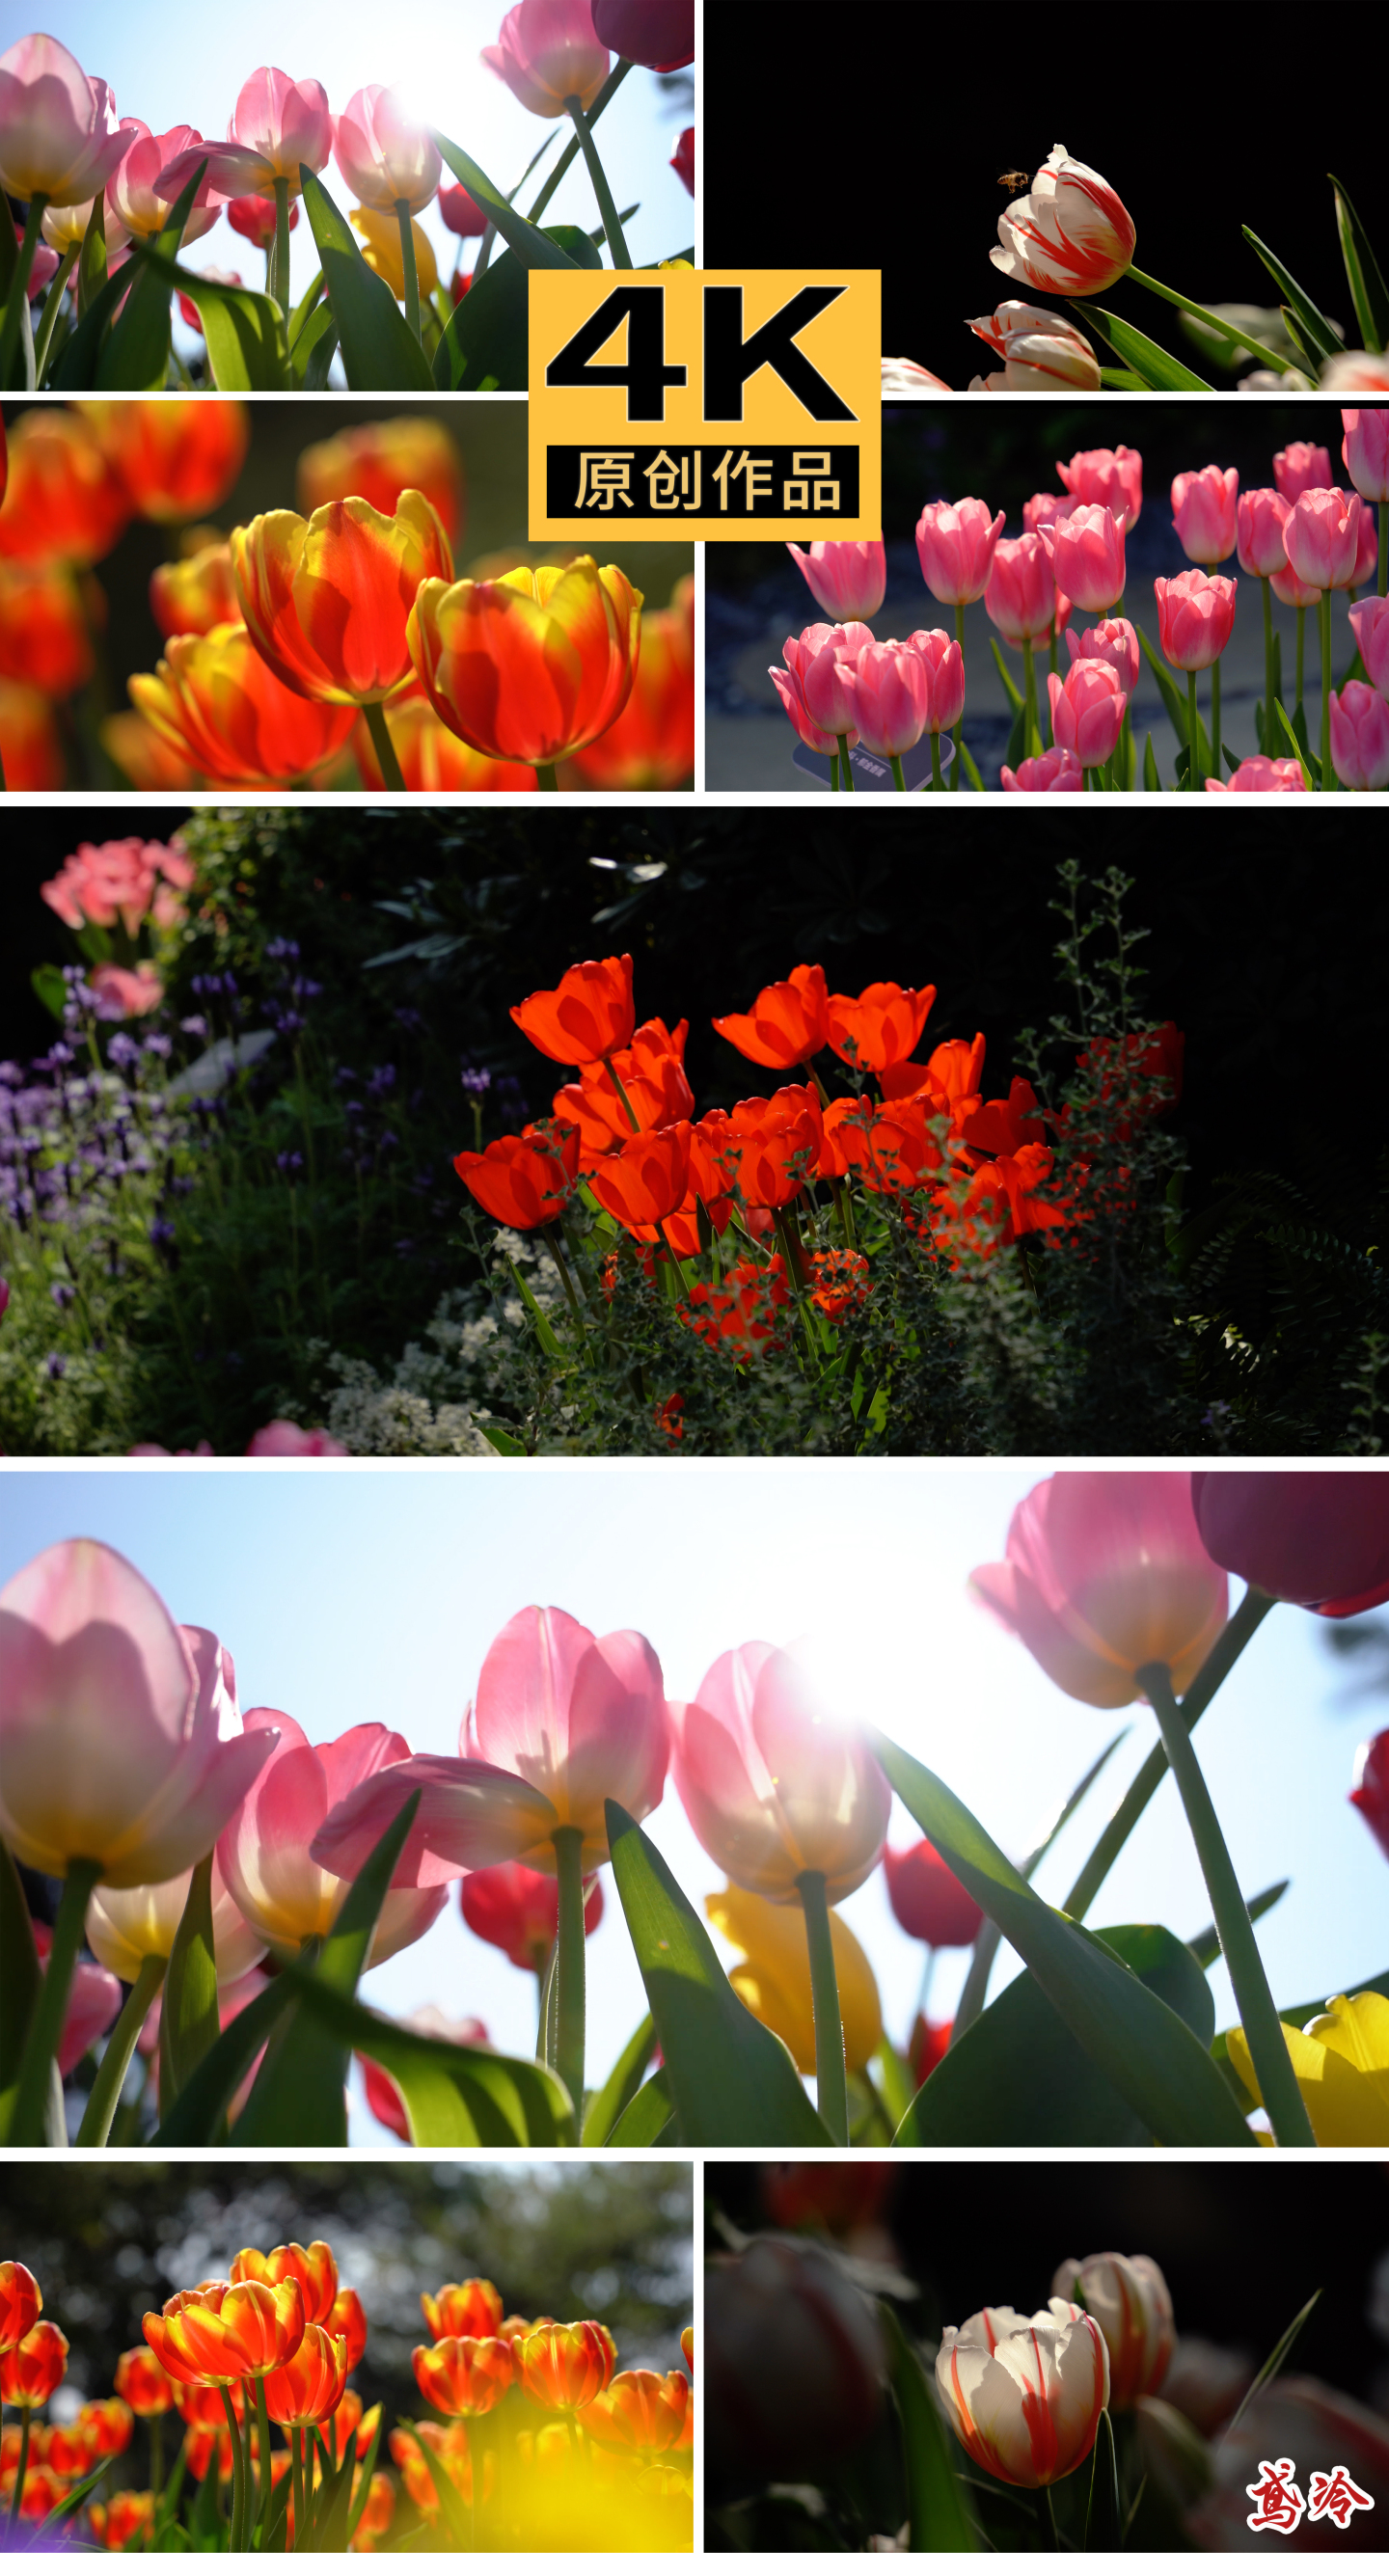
{"x": 186, "y": 67}
{"x": 373, "y": 1593}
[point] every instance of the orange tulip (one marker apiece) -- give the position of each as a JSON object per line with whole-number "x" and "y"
{"x": 687, "y": 2345}
{"x": 652, "y": 1074}
{"x": 21, "y": 2304}
{"x": 514, "y": 2330}
{"x": 1002, "y": 1126}
{"x": 348, "y": 2427}
{"x": 901, "y": 1147}
{"x": 566, "y": 2367}
{"x": 326, "y": 599}
{"x": 43, "y": 630}
{"x": 463, "y": 2308}
{"x": 954, "y": 1067}
{"x": 63, "y": 2448}
{"x": 143, "y": 2383}
{"x": 30, "y": 749}
{"x": 202, "y": 2408}
{"x": 740, "y": 1316}
{"x": 31, "y": 2370}
{"x": 433, "y": 760}
{"x": 105, "y": 2426}
{"x": 176, "y": 460}
{"x": 779, "y": 1142}
{"x": 447, "y": 2445}
{"x": 127, "y": 2517}
{"x": 464, "y": 2374}
{"x": 63, "y": 503}
{"x": 312, "y": 2266}
{"x": 788, "y": 1023}
{"x": 197, "y": 593}
{"x": 226, "y": 2330}
{"x": 524, "y": 1180}
{"x": 308, "y": 2387}
{"x": 1001, "y": 1202}
{"x": 42, "y": 2491}
{"x": 375, "y": 2516}
{"x": 379, "y": 461}
{"x": 141, "y": 755}
{"x": 200, "y": 2441}
{"x": 533, "y": 666}
{"x": 645, "y": 1180}
{"x": 589, "y": 1015}
{"x": 642, "y": 2410}
{"x": 216, "y": 703}
{"x": 881, "y": 1027}
{"x": 652, "y": 743}
{"x": 348, "y": 2319}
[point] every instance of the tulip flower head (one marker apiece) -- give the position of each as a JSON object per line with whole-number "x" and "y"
{"x": 381, "y": 249}
{"x": 1020, "y": 595}
{"x": 1070, "y": 235}
{"x": 534, "y": 665}
{"x": 928, "y": 1900}
{"x": 195, "y": 594}
{"x": 326, "y": 599}
{"x": 1300, "y": 467}
{"x": 1365, "y": 452}
{"x": 280, "y": 123}
{"x": 1321, "y": 538}
{"x": 380, "y": 461}
{"x": 772, "y": 1976}
{"x": 658, "y": 33}
{"x": 254, "y": 218}
{"x": 652, "y": 742}
{"x": 1319, "y": 1540}
{"x": 464, "y": 2374}
{"x": 215, "y": 701}
{"x": 588, "y": 1016}
{"x": 1040, "y": 350}
{"x": 312, "y": 2266}
{"x": 1259, "y": 518}
{"x": 1110, "y": 477}
{"x": 1087, "y": 710}
{"x": 1360, "y": 737}
{"x": 59, "y": 137}
{"x": 516, "y": 1910}
{"x": 772, "y": 1784}
{"x": 151, "y": 176}
{"x": 463, "y": 2308}
{"x": 129, "y": 1924}
{"x": 890, "y": 695}
{"x": 1132, "y": 2306}
{"x": 955, "y": 543}
{"x": 524, "y": 1180}
{"x": 848, "y": 576}
{"x": 643, "y": 2411}
{"x": 63, "y": 502}
{"x": 308, "y": 2388}
{"x": 1106, "y": 1572}
{"x": 224, "y": 2331}
{"x": 1260, "y": 776}
{"x": 1341, "y": 2061}
{"x": 1052, "y": 773}
{"x": 879, "y": 1029}
{"x": 1112, "y": 640}
{"x": 793, "y": 2360}
{"x": 566, "y": 2367}
{"x": 386, "y": 156}
{"x": 1086, "y": 547}
{"x": 1196, "y": 617}
{"x": 1024, "y": 2395}
{"x": 144, "y": 2383}
{"x": 21, "y": 2304}
{"x": 264, "y": 1852}
{"x": 547, "y": 53}
{"x": 1204, "y": 508}
{"x": 31, "y": 2369}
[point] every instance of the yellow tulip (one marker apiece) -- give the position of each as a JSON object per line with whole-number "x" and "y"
{"x": 381, "y": 239}
{"x": 773, "y": 1975}
{"x": 1341, "y": 2061}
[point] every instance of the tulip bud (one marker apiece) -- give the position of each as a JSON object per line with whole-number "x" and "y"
{"x": 1024, "y": 2395}
{"x": 1321, "y": 538}
{"x": 1196, "y": 617}
{"x": 848, "y": 576}
{"x": 1203, "y": 513}
{"x": 928, "y": 1900}
{"x": 1259, "y": 776}
{"x": 793, "y": 2362}
{"x": 1365, "y": 450}
{"x": 1259, "y": 521}
{"x": 1360, "y": 737}
{"x": 1300, "y": 467}
{"x": 1053, "y": 773}
{"x": 1128, "y": 2299}
{"x": 1086, "y": 547}
{"x": 955, "y": 543}
{"x": 1020, "y": 595}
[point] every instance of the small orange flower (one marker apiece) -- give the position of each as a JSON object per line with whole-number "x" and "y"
{"x": 893, "y": 1148}
{"x": 33, "y": 2368}
{"x": 1001, "y": 1202}
{"x": 645, "y": 1180}
{"x": 380, "y": 461}
{"x": 127, "y": 2517}
{"x": 43, "y": 629}
{"x": 670, "y": 1417}
{"x": 566, "y": 2367}
{"x": 463, "y": 2308}
{"x": 741, "y": 1315}
{"x": 218, "y": 705}
{"x": 326, "y": 599}
{"x": 349, "y": 2319}
{"x": 652, "y": 1074}
{"x": 312, "y": 2266}
{"x": 106, "y": 2425}
{"x": 464, "y": 2374}
{"x": 176, "y": 460}
{"x": 788, "y": 1023}
{"x": 779, "y": 1142}
{"x": 589, "y": 1015}
{"x": 881, "y": 1027}
{"x": 652, "y": 744}
{"x": 195, "y": 594}
{"x": 308, "y": 2387}
{"x": 433, "y": 760}
{"x": 533, "y": 666}
{"x": 63, "y": 503}
{"x": 841, "y": 1283}
{"x": 224, "y": 2330}
{"x": 643, "y": 2410}
{"x": 524, "y": 1180}
{"x": 143, "y": 2383}
{"x": 21, "y": 2304}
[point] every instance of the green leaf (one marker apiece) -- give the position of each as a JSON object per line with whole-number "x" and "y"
{"x": 91, "y": 259}
{"x": 1205, "y": 1949}
{"x": 76, "y": 368}
{"x": 1017, "y": 2077}
{"x": 66, "y": 2506}
{"x": 1132, "y": 2035}
{"x": 1151, "y": 779}
{"x": 189, "y": 2024}
{"x": 450, "y": 2501}
{"x": 48, "y": 984}
{"x": 1103, "y": 2523}
{"x": 9, "y": 247}
{"x": 20, "y": 1987}
{"x": 897, "y": 2084}
{"x": 545, "y": 1332}
{"x": 1175, "y": 701}
{"x": 244, "y": 332}
{"x": 192, "y": 2120}
{"x": 605, "y": 2108}
{"x": 968, "y": 764}
{"x": 1286, "y": 722}
{"x": 320, "y": 326}
{"x": 1304, "y": 347}
{"x": 1156, "y": 368}
{"x": 486, "y": 345}
{"x": 1016, "y": 699}
{"x": 732, "y": 2082}
{"x": 503, "y": 1442}
{"x": 454, "y": 2097}
{"x": 976, "y": 1984}
{"x": 647, "y": 2116}
{"x": 135, "y": 356}
{"x": 1314, "y": 330}
{"x": 319, "y": 363}
{"x": 380, "y": 353}
{"x": 358, "y": 2509}
{"x": 1368, "y": 292}
{"x": 936, "y": 2516}
{"x": 1273, "y": 2364}
{"x": 533, "y": 248}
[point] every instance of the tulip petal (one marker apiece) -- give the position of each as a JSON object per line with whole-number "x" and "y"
{"x": 471, "y": 1816}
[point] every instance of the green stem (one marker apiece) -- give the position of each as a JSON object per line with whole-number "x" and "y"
{"x": 238, "y": 2470}
{"x": 280, "y": 289}
{"x": 28, "y": 2122}
{"x": 834, "y": 773}
{"x": 1301, "y": 632}
{"x": 1269, "y": 692}
{"x": 51, "y": 303}
{"x": 407, "y": 263}
{"x": 937, "y": 774}
{"x": 120, "y": 2048}
{"x": 1053, "y": 2535}
{"x": 156, "y": 2458}
{"x": 1193, "y": 769}
{"x": 617, "y": 247}
{"x": 562, "y": 1266}
{"x": 544, "y": 2028}
{"x": 1328, "y": 775}
{"x": 614, "y": 81}
{"x": 831, "y": 2082}
{"x": 1215, "y": 717}
{"x": 545, "y": 778}
{"x": 297, "y": 2482}
{"x": 1225, "y": 330}
{"x": 898, "y": 780}
{"x": 1219, "y": 1664}
{"x": 846, "y": 766}
{"x": 381, "y": 743}
{"x": 19, "y": 286}
{"x": 21, "y": 2472}
{"x": 263, "y": 2429}
{"x": 958, "y": 766}
{"x": 569, "y": 1966}
{"x": 1033, "y": 741}
{"x": 1262, "y": 2030}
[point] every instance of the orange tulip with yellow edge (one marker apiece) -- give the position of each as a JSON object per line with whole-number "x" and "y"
{"x": 652, "y": 743}
{"x": 312, "y": 2266}
{"x": 142, "y": 755}
{"x": 534, "y": 665}
{"x": 773, "y": 1975}
{"x": 43, "y": 629}
{"x": 31, "y": 2370}
{"x": 381, "y": 250}
{"x": 642, "y": 2410}
{"x": 308, "y": 2388}
{"x": 381, "y": 460}
{"x": 566, "y": 2367}
{"x": 192, "y": 596}
{"x": 348, "y": 2319}
{"x": 106, "y": 2424}
{"x": 225, "y": 2330}
{"x": 175, "y": 460}
{"x": 143, "y": 2382}
{"x": 463, "y": 2308}
{"x": 433, "y": 760}
{"x": 464, "y": 2374}
{"x": 217, "y": 704}
{"x": 326, "y": 599}
{"x": 128, "y": 2517}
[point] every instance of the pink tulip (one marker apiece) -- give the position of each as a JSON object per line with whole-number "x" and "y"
{"x": 1259, "y": 531}
{"x": 1087, "y": 711}
{"x": 945, "y": 676}
{"x": 277, "y": 123}
{"x": 1365, "y": 449}
{"x": 547, "y": 52}
{"x": 1321, "y": 538}
{"x": 1292, "y": 592}
{"x": 1111, "y": 477}
{"x": 843, "y": 643}
{"x": 1053, "y": 773}
{"x": 1203, "y": 513}
{"x": 790, "y": 690}
{"x": 892, "y": 698}
{"x": 58, "y": 132}
{"x": 848, "y": 576}
{"x": 1070, "y": 235}
{"x": 955, "y": 543}
{"x": 1366, "y": 552}
{"x": 94, "y": 1999}
{"x": 264, "y": 1853}
{"x": 1299, "y": 468}
{"x": 1020, "y": 595}
{"x": 1105, "y": 1572}
{"x": 1087, "y": 556}
{"x": 1360, "y": 736}
{"x": 772, "y": 1784}
{"x": 1039, "y": 350}
{"x": 1196, "y": 616}
{"x": 827, "y": 687}
{"x": 144, "y": 189}
{"x": 1044, "y": 509}
{"x": 288, "y": 1440}
{"x": 43, "y": 269}
{"x": 1260, "y": 776}
{"x": 386, "y": 156}
{"x": 65, "y": 227}
{"x": 1319, "y": 1540}
{"x": 109, "y": 1724}
{"x": 1113, "y": 641}
{"x": 125, "y": 992}
{"x": 1369, "y": 620}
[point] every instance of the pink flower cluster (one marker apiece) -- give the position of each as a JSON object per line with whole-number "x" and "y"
{"x": 839, "y": 685}
{"x": 121, "y": 881}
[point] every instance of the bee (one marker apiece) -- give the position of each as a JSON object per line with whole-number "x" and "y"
{"x": 1012, "y": 180}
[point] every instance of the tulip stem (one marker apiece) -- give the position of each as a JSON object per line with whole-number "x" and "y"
{"x": 1262, "y": 2030}
{"x": 958, "y": 766}
{"x": 51, "y": 303}
{"x": 1219, "y": 1663}
{"x": 617, "y": 247}
{"x": 1053, "y": 2535}
{"x": 831, "y": 2082}
{"x": 1215, "y": 717}
{"x": 156, "y": 2423}
{"x": 238, "y": 2469}
{"x": 280, "y": 288}
{"x": 1225, "y": 330}
{"x": 615, "y": 78}
{"x": 898, "y": 780}
{"x": 834, "y": 773}
{"x": 1301, "y": 633}
{"x": 384, "y": 748}
{"x": 27, "y": 2413}
{"x": 33, "y": 2093}
{"x": 569, "y": 1967}
{"x": 1032, "y": 740}
{"x": 846, "y": 767}
{"x": 263, "y": 2429}
{"x": 1270, "y": 693}
{"x": 1193, "y": 736}
{"x": 407, "y": 265}
{"x": 120, "y": 2048}
{"x": 937, "y": 775}
{"x": 1328, "y": 775}
{"x": 19, "y": 284}
{"x": 545, "y": 778}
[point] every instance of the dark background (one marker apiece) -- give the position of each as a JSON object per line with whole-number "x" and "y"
{"x": 876, "y": 140}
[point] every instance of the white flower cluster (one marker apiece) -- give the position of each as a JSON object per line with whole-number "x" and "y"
{"x": 435, "y": 1401}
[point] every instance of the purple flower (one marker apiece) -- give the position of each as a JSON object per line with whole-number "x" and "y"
{"x": 477, "y": 1081}
{"x": 62, "y": 1293}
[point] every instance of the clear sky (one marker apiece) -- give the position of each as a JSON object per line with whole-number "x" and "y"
{"x": 373, "y": 1593}
{"x": 186, "y": 67}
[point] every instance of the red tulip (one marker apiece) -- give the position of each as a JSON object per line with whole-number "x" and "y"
{"x": 645, "y": 1179}
{"x": 882, "y": 1027}
{"x": 32, "y": 2369}
{"x": 651, "y": 743}
{"x": 327, "y": 599}
{"x": 658, "y": 33}
{"x": 1319, "y": 1540}
{"x": 21, "y": 2304}
{"x": 682, "y": 159}
{"x": 177, "y": 460}
{"x": 63, "y": 502}
{"x": 524, "y": 1180}
{"x": 928, "y": 1900}
{"x": 786, "y": 1024}
{"x": 254, "y": 218}
{"x": 642, "y": 1086}
{"x": 1370, "y": 1792}
{"x": 588, "y": 1015}
{"x": 464, "y": 2374}
{"x": 517, "y": 1910}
